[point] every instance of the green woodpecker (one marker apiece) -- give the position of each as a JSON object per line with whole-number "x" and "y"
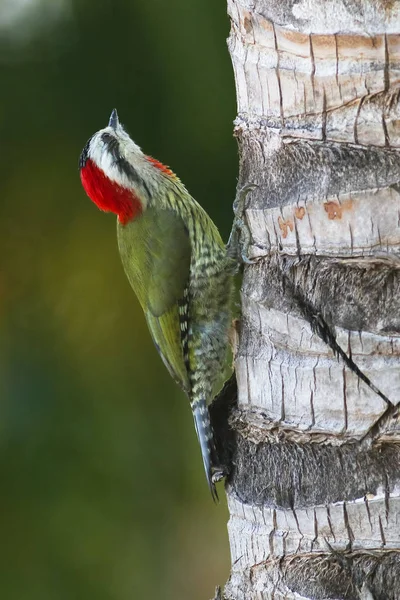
{"x": 176, "y": 263}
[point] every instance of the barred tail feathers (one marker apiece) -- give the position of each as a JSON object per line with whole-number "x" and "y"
{"x": 206, "y": 440}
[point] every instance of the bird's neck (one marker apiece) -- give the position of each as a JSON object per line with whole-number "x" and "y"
{"x": 108, "y": 195}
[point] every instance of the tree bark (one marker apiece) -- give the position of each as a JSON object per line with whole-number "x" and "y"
{"x": 314, "y": 491}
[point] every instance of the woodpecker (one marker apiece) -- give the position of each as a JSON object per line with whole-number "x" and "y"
{"x": 176, "y": 263}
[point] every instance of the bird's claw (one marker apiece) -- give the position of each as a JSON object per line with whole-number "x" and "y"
{"x": 239, "y": 239}
{"x": 238, "y": 204}
{"x": 218, "y": 473}
{"x": 247, "y": 260}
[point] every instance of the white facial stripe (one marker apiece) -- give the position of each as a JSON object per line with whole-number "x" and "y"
{"x": 99, "y": 154}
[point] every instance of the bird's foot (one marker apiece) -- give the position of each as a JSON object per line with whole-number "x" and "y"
{"x": 240, "y": 237}
{"x": 218, "y": 473}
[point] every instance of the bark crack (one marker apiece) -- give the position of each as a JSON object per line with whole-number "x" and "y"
{"x": 348, "y": 526}
{"x": 278, "y": 76}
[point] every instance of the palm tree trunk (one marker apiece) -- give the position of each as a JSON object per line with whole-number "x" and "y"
{"x": 314, "y": 493}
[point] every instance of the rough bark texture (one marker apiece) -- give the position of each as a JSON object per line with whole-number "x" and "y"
{"x": 314, "y": 491}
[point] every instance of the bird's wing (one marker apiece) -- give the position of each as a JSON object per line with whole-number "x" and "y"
{"x": 167, "y": 340}
{"x": 170, "y": 261}
{"x": 155, "y": 251}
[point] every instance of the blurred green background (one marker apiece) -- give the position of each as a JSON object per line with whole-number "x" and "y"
{"x": 102, "y": 488}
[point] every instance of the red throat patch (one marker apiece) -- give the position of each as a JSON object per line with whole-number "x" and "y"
{"x": 108, "y": 195}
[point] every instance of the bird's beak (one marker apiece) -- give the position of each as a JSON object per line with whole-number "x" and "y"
{"x": 114, "y": 121}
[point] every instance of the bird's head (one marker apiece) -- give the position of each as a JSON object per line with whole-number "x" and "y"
{"x": 116, "y": 174}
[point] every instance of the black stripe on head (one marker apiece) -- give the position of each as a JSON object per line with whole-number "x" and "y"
{"x": 120, "y": 162}
{"x": 84, "y": 154}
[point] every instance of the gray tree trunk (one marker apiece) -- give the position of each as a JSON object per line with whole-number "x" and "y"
{"x": 314, "y": 493}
